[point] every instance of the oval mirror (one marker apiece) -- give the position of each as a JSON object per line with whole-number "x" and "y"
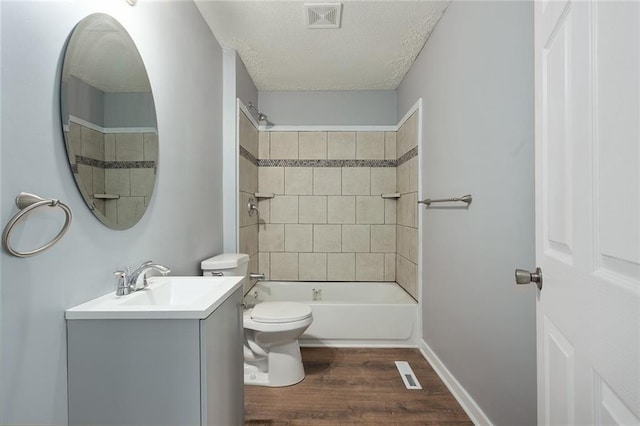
{"x": 109, "y": 121}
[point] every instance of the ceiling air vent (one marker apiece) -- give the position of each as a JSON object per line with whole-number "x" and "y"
{"x": 322, "y": 15}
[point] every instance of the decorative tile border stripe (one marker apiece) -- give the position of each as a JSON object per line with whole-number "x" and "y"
{"x": 327, "y": 163}
{"x": 114, "y": 164}
{"x": 246, "y": 154}
{"x": 408, "y": 155}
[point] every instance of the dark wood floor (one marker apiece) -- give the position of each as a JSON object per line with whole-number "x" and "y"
{"x": 356, "y": 386}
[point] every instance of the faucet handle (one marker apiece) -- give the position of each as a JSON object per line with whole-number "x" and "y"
{"x": 122, "y": 288}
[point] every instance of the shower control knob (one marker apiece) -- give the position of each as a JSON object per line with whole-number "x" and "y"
{"x": 525, "y": 277}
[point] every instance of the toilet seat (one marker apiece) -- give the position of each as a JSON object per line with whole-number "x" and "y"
{"x": 279, "y": 312}
{"x": 277, "y": 316}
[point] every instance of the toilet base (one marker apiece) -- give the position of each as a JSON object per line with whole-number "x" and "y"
{"x": 284, "y": 367}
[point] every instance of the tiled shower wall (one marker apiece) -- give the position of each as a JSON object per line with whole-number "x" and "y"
{"x": 117, "y": 164}
{"x": 407, "y": 224}
{"x": 326, "y": 220}
{"x": 248, "y": 186}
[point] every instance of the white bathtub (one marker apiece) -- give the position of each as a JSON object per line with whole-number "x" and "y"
{"x": 347, "y": 313}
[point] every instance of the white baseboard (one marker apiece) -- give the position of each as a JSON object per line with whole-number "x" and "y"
{"x": 475, "y": 413}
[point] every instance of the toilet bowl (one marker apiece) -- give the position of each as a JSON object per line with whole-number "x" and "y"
{"x": 271, "y": 330}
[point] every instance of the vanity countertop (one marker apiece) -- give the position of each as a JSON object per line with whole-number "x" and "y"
{"x": 169, "y": 297}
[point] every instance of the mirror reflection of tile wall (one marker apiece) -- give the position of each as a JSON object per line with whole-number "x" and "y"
{"x": 117, "y": 170}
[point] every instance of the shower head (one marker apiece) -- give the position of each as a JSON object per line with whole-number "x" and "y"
{"x": 261, "y": 116}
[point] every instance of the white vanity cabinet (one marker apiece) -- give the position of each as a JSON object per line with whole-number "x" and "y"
{"x": 161, "y": 371}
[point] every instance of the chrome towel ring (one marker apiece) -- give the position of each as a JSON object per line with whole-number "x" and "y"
{"x": 28, "y": 202}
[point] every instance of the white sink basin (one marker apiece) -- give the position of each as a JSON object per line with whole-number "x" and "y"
{"x": 165, "y": 298}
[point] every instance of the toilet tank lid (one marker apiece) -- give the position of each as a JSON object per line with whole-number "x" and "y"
{"x": 280, "y": 312}
{"x": 224, "y": 261}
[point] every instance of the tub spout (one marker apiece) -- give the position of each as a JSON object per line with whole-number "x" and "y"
{"x": 256, "y": 276}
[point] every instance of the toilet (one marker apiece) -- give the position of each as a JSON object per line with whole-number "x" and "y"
{"x": 271, "y": 329}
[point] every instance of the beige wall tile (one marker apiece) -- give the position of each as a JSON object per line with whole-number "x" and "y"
{"x": 116, "y": 181}
{"x": 263, "y": 145}
{"x": 150, "y": 146}
{"x": 341, "y": 145}
{"x": 85, "y": 174}
{"x": 110, "y": 147}
{"x": 271, "y": 237}
{"x": 312, "y": 266}
{"x": 327, "y": 238}
{"x": 243, "y": 211}
{"x": 298, "y": 180}
{"x": 407, "y": 209}
{"x": 248, "y": 135}
{"x": 253, "y": 267}
{"x": 402, "y": 174}
{"x": 327, "y": 181}
{"x": 369, "y": 209}
{"x": 249, "y": 240}
{"x": 312, "y": 145}
{"x": 408, "y": 243}
{"x": 413, "y": 174}
{"x": 390, "y": 267}
{"x": 312, "y": 209}
{"x": 264, "y": 261}
{"x": 284, "y": 266}
{"x": 341, "y": 209}
{"x": 284, "y": 145}
{"x": 390, "y": 146}
{"x": 407, "y": 276}
{"x": 356, "y": 181}
{"x": 98, "y": 181}
{"x": 341, "y": 266}
{"x": 284, "y": 209}
{"x": 355, "y": 238}
{"x": 407, "y": 135}
{"x": 92, "y": 143}
{"x": 369, "y": 267}
{"x": 130, "y": 209}
{"x": 298, "y": 238}
{"x": 264, "y": 207}
{"x": 247, "y": 176}
{"x": 129, "y": 146}
{"x": 383, "y": 238}
{"x": 74, "y": 141}
{"x": 271, "y": 179}
{"x": 111, "y": 210}
{"x": 390, "y": 206}
{"x": 370, "y": 145}
{"x": 383, "y": 180}
{"x": 142, "y": 182}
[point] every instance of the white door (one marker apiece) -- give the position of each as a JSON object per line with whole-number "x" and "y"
{"x": 587, "y": 79}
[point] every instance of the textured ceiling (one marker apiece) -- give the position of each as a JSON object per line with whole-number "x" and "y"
{"x": 373, "y": 50}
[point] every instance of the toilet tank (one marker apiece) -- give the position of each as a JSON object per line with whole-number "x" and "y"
{"x": 227, "y": 264}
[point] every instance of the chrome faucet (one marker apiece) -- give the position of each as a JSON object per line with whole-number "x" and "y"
{"x": 139, "y": 276}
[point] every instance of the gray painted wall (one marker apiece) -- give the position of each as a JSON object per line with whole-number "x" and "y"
{"x": 135, "y": 109}
{"x": 182, "y": 225}
{"x": 475, "y": 75}
{"x": 120, "y": 109}
{"x": 82, "y": 100}
{"x": 245, "y": 88}
{"x": 330, "y": 108}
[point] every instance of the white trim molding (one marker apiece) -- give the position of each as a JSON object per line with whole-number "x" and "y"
{"x": 473, "y": 410}
{"x": 101, "y": 129}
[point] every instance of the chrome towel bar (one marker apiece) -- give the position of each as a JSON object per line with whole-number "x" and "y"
{"x": 464, "y": 199}
{"x": 27, "y": 202}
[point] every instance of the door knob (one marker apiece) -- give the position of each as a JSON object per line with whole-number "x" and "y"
{"x": 525, "y": 277}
